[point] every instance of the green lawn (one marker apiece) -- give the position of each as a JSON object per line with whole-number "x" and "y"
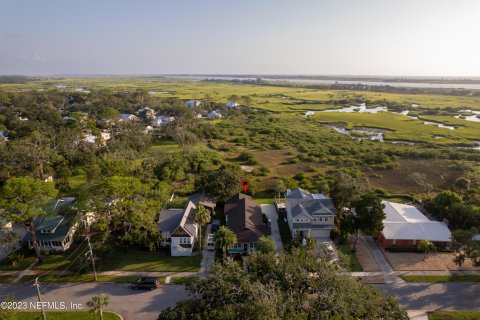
{"x": 77, "y": 181}
{"x": 7, "y": 279}
{"x": 353, "y": 265}
{"x": 4, "y": 266}
{"x": 264, "y": 200}
{"x": 160, "y": 261}
{"x": 64, "y": 315}
{"x": 454, "y": 315}
{"x": 82, "y": 278}
{"x": 452, "y": 278}
{"x": 183, "y": 280}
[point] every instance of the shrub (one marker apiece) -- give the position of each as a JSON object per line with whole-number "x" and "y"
{"x": 15, "y": 258}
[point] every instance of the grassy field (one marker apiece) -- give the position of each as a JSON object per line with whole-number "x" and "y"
{"x": 454, "y": 315}
{"x": 81, "y": 278}
{"x": 183, "y": 280}
{"x": 64, "y": 315}
{"x": 160, "y": 261}
{"x": 4, "y": 266}
{"x": 452, "y": 278}
{"x": 353, "y": 265}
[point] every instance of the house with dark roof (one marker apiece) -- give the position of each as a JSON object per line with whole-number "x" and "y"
{"x": 244, "y": 217}
{"x": 55, "y": 231}
{"x": 308, "y": 214}
{"x": 204, "y": 199}
{"x": 179, "y": 231}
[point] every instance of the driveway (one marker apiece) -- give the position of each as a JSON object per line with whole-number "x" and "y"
{"x": 131, "y": 304}
{"x": 271, "y": 213}
{"x": 208, "y": 256}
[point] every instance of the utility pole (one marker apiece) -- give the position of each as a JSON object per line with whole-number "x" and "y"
{"x": 37, "y": 286}
{"x": 92, "y": 257}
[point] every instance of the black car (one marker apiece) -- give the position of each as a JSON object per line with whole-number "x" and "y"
{"x": 214, "y": 228}
{"x": 146, "y": 283}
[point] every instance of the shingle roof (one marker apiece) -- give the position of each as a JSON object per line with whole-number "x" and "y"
{"x": 244, "y": 218}
{"x": 314, "y": 207}
{"x": 204, "y": 199}
{"x": 405, "y": 222}
{"x": 171, "y": 219}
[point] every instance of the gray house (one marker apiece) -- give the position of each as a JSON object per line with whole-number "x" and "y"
{"x": 309, "y": 215}
{"x": 179, "y": 232}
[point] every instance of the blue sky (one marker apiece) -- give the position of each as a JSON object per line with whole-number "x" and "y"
{"x": 368, "y": 37}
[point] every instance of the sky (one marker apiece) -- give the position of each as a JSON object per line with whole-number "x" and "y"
{"x": 338, "y": 37}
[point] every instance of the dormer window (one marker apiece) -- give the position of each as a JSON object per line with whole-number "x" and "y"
{"x": 46, "y": 231}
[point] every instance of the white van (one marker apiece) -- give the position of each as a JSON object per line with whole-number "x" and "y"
{"x": 210, "y": 242}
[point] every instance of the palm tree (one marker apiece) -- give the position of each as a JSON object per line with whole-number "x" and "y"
{"x": 201, "y": 216}
{"x": 426, "y": 246}
{"x": 266, "y": 244}
{"x": 225, "y": 238}
{"x": 97, "y": 303}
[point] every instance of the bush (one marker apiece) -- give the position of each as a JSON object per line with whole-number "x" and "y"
{"x": 15, "y": 258}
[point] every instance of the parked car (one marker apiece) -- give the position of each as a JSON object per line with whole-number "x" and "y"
{"x": 146, "y": 283}
{"x": 210, "y": 242}
{"x": 214, "y": 228}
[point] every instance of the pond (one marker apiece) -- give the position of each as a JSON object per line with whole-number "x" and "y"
{"x": 475, "y": 117}
{"x": 360, "y": 133}
{"x": 362, "y": 108}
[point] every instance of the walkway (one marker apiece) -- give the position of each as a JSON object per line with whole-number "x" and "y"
{"x": 386, "y": 269}
{"x": 271, "y": 213}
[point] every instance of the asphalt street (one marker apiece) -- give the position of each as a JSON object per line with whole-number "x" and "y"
{"x": 131, "y": 304}
{"x": 435, "y": 296}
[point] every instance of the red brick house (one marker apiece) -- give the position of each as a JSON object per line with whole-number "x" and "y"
{"x": 404, "y": 226}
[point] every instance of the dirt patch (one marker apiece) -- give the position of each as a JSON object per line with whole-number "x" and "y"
{"x": 439, "y": 173}
{"x": 364, "y": 257}
{"x": 438, "y": 261}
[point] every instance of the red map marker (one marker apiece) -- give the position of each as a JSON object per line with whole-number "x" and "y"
{"x": 245, "y": 183}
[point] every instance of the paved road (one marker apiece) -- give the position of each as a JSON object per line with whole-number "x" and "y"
{"x": 131, "y": 304}
{"x": 271, "y": 213}
{"x": 434, "y": 296}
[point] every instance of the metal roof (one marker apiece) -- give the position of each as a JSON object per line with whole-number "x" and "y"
{"x": 405, "y": 222}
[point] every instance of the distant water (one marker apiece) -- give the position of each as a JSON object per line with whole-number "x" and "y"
{"x": 325, "y": 81}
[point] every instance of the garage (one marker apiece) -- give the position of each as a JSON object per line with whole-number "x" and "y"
{"x": 320, "y": 233}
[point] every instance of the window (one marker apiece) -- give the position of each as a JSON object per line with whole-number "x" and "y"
{"x": 414, "y": 242}
{"x": 394, "y": 241}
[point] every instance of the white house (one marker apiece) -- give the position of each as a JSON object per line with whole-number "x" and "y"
{"x": 309, "y": 215}
{"x": 178, "y": 230}
{"x": 193, "y": 103}
{"x": 231, "y": 104}
{"x": 214, "y": 115}
{"x": 405, "y": 225}
{"x": 159, "y": 121}
{"x": 106, "y": 135}
{"x": 90, "y": 138}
